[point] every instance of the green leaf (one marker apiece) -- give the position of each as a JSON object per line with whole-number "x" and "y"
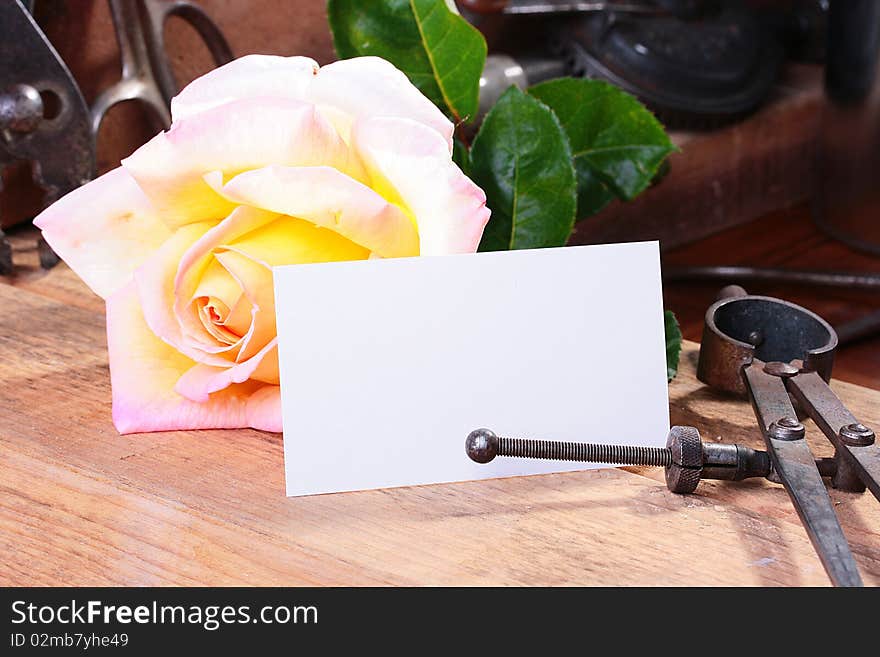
{"x": 592, "y": 193}
{"x": 461, "y": 157}
{"x": 673, "y": 343}
{"x": 522, "y": 160}
{"x": 439, "y": 50}
{"x": 617, "y": 143}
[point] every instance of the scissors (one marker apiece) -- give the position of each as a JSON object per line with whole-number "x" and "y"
{"x": 147, "y": 75}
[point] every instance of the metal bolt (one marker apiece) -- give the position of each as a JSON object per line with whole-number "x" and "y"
{"x": 21, "y": 108}
{"x": 786, "y": 428}
{"x": 857, "y": 434}
{"x": 756, "y": 338}
{"x": 483, "y": 445}
{"x": 682, "y": 457}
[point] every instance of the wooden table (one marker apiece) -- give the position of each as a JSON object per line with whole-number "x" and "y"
{"x": 81, "y": 505}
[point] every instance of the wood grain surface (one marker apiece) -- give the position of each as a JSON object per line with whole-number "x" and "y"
{"x": 81, "y": 505}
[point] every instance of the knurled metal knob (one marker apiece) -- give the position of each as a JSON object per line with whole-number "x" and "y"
{"x": 683, "y": 474}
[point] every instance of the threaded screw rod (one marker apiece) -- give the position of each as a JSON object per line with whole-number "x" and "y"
{"x": 590, "y": 453}
{"x": 686, "y": 458}
{"x": 682, "y": 457}
{"x": 483, "y": 445}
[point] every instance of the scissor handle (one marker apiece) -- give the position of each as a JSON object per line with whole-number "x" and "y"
{"x": 138, "y": 81}
{"x": 155, "y": 13}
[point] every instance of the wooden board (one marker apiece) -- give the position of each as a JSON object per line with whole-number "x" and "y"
{"x": 81, "y": 505}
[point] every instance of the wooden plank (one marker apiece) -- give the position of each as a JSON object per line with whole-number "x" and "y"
{"x": 80, "y": 504}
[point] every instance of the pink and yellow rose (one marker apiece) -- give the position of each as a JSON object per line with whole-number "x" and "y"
{"x": 269, "y": 161}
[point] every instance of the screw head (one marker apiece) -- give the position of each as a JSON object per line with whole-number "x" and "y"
{"x": 21, "y": 108}
{"x": 481, "y": 445}
{"x": 756, "y": 338}
{"x": 857, "y": 434}
{"x": 786, "y": 428}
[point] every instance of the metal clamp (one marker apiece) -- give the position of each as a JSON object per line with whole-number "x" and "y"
{"x": 781, "y": 356}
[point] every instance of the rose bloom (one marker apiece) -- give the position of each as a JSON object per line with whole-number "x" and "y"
{"x": 269, "y": 161}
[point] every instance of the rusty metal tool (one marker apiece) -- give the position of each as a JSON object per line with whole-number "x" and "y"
{"x": 780, "y": 355}
{"x": 43, "y": 117}
{"x": 147, "y": 75}
{"x": 686, "y": 458}
{"x": 851, "y": 331}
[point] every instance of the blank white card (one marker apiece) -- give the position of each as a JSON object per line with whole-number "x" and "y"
{"x": 387, "y": 365}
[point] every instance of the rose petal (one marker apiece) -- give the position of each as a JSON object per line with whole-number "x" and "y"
{"x": 264, "y": 409}
{"x": 170, "y": 278}
{"x": 181, "y": 270}
{"x": 255, "y": 279}
{"x": 199, "y": 257}
{"x": 144, "y": 371}
{"x": 366, "y": 87}
{"x": 240, "y": 315}
{"x": 414, "y": 169}
{"x": 241, "y": 135}
{"x": 219, "y": 304}
{"x": 200, "y": 381}
{"x": 247, "y": 261}
{"x": 252, "y": 76}
{"x": 216, "y": 282}
{"x": 104, "y": 230}
{"x": 328, "y": 198}
{"x": 155, "y": 283}
{"x": 292, "y": 241}
{"x": 345, "y": 90}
